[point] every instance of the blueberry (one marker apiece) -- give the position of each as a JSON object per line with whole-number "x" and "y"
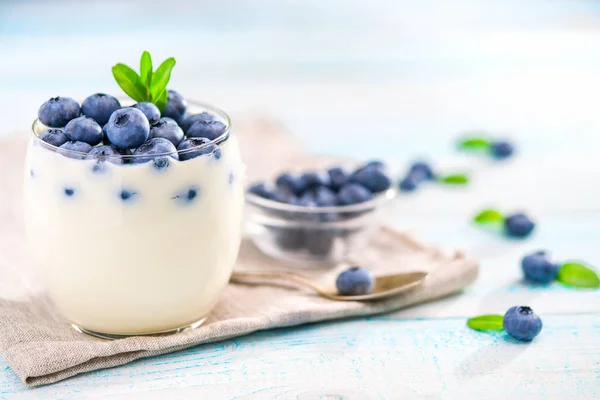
{"x": 375, "y": 164}
{"x": 58, "y": 111}
{"x": 372, "y": 178}
{"x": 76, "y": 150}
{"x": 409, "y": 183}
{"x": 128, "y": 128}
{"x": 167, "y": 128}
{"x": 355, "y": 281}
{"x": 194, "y": 147}
{"x": 518, "y": 225}
{"x": 521, "y": 323}
{"x": 157, "y": 150}
{"x": 538, "y": 267}
{"x": 337, "y": 178}
{"x": 54, "y": 136}
{"x": 105, "y": 139}
{"x": 176, "y": 106}
{"x": 353, "y": 193}
{"x": 262, "y": 189}
{"x": 192, "y": 119}
{"x": 422, "y": 171}
{"x": 100, "y": 107}
{"x": 206, "y": 129}
{"x": 283, "y": 196}
{"x": 126, "y": 195}
{"x": 313, "y": 179}
{"x": 108, "y": 153}
{"x": 69, "y": 192}
{"x": 188, "y": 195}
{"x": 290, "y": 182}
{"x": 502, "y": 149}
{"x": 84, "y": 129}
{"x": 323, "y": 196}
{"x": 150, "y": 110}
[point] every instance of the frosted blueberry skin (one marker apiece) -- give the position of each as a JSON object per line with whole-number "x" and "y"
{"x": 168, "y": 129}
{"x": 206, "y": 129}
{"x": 355, "y": 281}
{"x": 321, "y": 196}
{"x": 312, "y": 179}
{"x": 521, "y": 323}
{"x": 539, "y": 268}
{"x": 110, "y": 154}
{"x": 150, "y": 111}
{"x": 54, "y": 136}
{"x": 58, "y": 111}
{"x": 373, "y": 178}
{"x": 291, "y": 183}
{"x": 152, "y": 148}
{"x": 81, "y": 147}
{"x": 127, "y": 128}
{"x": 353, "y": 193}
{"x": 192, "y": 119}
{"x": 195, "y": 147}
{"x": 337, "y": 178}
{"x": 84, "y": 129}
{"x": 176, "y": 106}
{"x": 518, "y": 226}
{"x": 100, "y": 107}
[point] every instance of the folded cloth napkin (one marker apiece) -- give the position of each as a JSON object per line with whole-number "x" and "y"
{"x": 41, "y": 347}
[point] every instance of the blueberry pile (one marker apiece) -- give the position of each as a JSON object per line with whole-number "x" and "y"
{"x": 101, "y": 128}
{"x": 334, "y": 187}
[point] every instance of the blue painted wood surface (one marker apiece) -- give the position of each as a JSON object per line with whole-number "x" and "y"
{"x": 386, "y": 78}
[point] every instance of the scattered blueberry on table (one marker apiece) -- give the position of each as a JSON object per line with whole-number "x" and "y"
{"x": 496, "y": 148}
{"x": 517, "y": 225}
{"x": 420, "y": 172}
{"x": 538, "y": 267}
{"x": 355, "y": 281}
{"x": 520, "y": 322}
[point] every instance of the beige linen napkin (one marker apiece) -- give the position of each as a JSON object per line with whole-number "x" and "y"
{"x": 41, "y": 347}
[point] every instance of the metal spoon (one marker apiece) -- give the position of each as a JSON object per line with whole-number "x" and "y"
{"x": 385, "y": 285}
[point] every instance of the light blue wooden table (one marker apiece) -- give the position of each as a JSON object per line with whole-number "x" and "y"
{"x": 391, "y": 79}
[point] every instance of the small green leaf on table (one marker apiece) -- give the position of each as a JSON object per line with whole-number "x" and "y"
{"x": 146, "y": 69}
{"x": 474, "y": 143}
{"x": 488, "y": 322}
{"x": 455, "y": 179}
{"x": 488, "y": 216}
{"x": 130, "y": 82}
{"x": 578, "y": 275}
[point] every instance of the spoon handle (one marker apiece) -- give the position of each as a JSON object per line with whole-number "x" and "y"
{"x": 245, "y": 276}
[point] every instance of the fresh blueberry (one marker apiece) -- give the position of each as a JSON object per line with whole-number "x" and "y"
{"x": 192, "y": 119}
{"x": 58, "y": 111}
{"x": 502, "y": 149}
{"x": 422, "y": 171}
{"x": 105, "y": 139}
{"x": 206, "y": 129}
{"x": 157, "y": 150}
{"x": 313, "y": 179}
{"x": 283, "y": 196}
{"x": 262, "y": 189}
{"x": 322, "y": 196}
{"x": 291, "y": 183}
{"x": 194, "y": 147}
{"x": 167, "y": 128}
{"x": 69, "y": 192}
{"x": 100, "y": 107}
{"x": 353, "y": 193}
{"x": 176, "y": 106}
{"x": 108, "y": 153}
{"x": 518, "y": 225}
{"x": 538, "y": 267}
{"x": 150, "y": 111}
{"x": 76, "y": 150}
{"x": 372, "y": 178}
{"x": 128, "y": 128}
{"x": 126, "y": 195}
{"x": 355, "y": 281}
{"x": 521, "y": 323}
{"x": 337, "y": 178}
{"x": 409, "y": 183}
{"x": 54, "y": 136}
{"x": 188, "y": 195}
{"x": 375, "y": 164}
{"x": 84, "y": 129}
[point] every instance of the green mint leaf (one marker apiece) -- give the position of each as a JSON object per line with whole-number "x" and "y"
{"x": 488, "y": 216}
{"x": 130, "y": 82}
{"x": 146, "y": 69}
{"x": 161, "y": 78}
{"x": 161, "y": 101}
{"x": 576, "y": 274}
{"x": 474, "y": 143}
{"x": 489, "y": 322}
{"x": 455, "y": 179}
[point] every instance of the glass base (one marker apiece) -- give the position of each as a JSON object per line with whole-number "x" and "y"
{"x": 114, "y": 336}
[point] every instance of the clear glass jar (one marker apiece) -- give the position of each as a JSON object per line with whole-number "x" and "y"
{"x": 134, "y": 248}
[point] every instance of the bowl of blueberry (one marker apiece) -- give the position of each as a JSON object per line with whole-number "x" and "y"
{"x": 317, "y": 215}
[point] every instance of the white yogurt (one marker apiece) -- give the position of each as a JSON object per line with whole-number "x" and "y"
{"x": 152, "y": 262}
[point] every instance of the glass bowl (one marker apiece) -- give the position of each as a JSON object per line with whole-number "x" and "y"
{"x": 312, "y": 234}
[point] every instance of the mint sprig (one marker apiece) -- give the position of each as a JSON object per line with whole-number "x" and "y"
{"x": 488, "y": 322}
{"x": 148, "y": 86}
{"x": 575, "y": 274}
{"x": 488, "y": 216}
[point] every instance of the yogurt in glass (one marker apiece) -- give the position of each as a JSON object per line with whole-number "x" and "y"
{"x": 128, "y": 248}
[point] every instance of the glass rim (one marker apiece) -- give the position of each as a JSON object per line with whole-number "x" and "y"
{"x": 378, "y": 200}
{"x": 205, "y": 106}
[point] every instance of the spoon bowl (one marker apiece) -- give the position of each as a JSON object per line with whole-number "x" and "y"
{"x": 385, "y": 285}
